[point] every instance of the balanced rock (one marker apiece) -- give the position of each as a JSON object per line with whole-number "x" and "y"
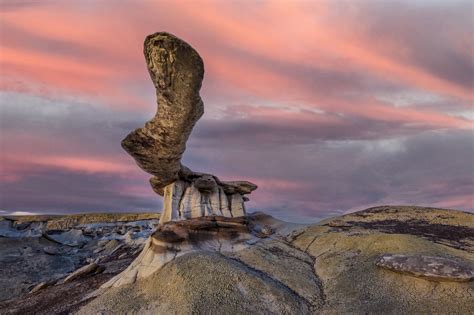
{"x": 177, "y": 70}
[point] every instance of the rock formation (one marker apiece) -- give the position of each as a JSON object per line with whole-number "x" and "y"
{"x": 177, "y": 70}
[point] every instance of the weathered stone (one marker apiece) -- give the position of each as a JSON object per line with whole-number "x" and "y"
{"x": 81, "y": 272}
{"x": 206, "y": 183}
{"x": 51, "y": 250}
{"x": 267, "y": 230}
{"x": 215, "y": 202}
{"x": 173, "y": 195}
{"x": 428, "y": 267}
{"x": 224, "y": 203}
{"x": 339, "y": 224}
{"x": 158, "y": 186}
{"x": 237, "y": 206}
{"x": 262, "y": 231}
{"x": 241, "y": 187}
{"x": 176, "y": 70}
{"x": 191, "y": 205}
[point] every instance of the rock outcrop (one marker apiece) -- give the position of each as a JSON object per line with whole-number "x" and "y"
{"x": 347, "y": 250}
{"x": 177, "y": 71}
{"x": 43, "y": 249}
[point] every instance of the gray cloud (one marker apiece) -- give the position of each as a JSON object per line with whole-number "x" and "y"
{"x": 429, "y": 168}
{"x": 55, "y": 190}
{"x": 66, "y": 126}
{"x": 433, "y": 35}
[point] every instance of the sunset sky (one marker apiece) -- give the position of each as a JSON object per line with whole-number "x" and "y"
{"x": 329, "y": 106}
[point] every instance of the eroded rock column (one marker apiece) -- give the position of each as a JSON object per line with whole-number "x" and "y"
{"x": 177, "y": 71}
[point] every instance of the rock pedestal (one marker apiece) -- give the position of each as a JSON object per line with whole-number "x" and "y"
{"x": 193, "y": 199}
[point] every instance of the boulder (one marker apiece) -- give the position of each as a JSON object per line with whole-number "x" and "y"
{"x": 428, "y": 267}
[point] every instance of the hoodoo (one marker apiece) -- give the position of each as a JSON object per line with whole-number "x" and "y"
{"x": 177, "y": 70}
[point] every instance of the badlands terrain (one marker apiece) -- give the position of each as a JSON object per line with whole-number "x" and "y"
{"x": 388, "y": 259}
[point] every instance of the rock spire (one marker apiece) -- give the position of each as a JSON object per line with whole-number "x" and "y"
{"x": 177, "y": 71}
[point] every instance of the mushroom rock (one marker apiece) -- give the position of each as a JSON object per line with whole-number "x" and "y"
{"x": 177, "y": 71}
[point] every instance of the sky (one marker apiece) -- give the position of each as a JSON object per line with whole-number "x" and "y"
{"x": 328, "y": 106}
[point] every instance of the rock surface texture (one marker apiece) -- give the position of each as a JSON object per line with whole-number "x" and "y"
{"x": 259, "y": 265}
{"x": 177, "y": 71}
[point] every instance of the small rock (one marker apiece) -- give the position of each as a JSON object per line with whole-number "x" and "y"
{"x": 251, "y": 242}
{"x": 428, "y": 267}
{"x": 123, "y": 255}
{"x": 81, "y": 272}
{"x": 339, "y": 224}
{"x": 90, "y": 260}
{"x": 206, "y": 183}
{"x": 41, "y": 286}
{"x": 116, "y": 249}
{"x": 73, "y": 237}
{"x": 102, "y": 243}
{"x": 263, "y": 231}
{"x": 51, "y": 250}
{"x": 110, "y": 247}
{"x": 267, "y": 230}
{"x": 98, "y": 250}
